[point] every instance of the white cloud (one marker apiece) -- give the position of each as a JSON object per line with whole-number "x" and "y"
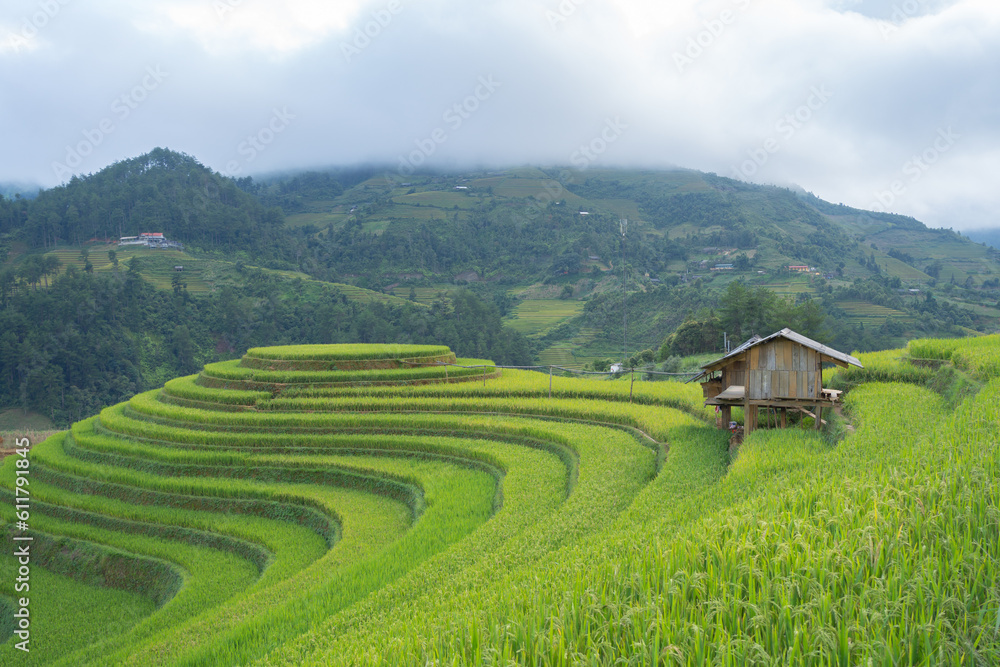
{"x": 744, "y": 67}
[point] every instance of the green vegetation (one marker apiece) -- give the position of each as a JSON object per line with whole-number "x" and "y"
{"x": 305, "y": 522}
{"x": 314, "y": 497}
{"x": 91, "y": 340}
{"x": 234, "y": 375}
{"x": 351, "y": 352}
{"x": 346, "y": 256}
{"x": 537, "y": 316}
{"x": 59, "y": 603}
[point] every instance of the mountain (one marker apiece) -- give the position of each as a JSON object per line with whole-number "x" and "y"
{"x": 538, "y": 241}
{"x": 540, "y": 247}
{"x": 15, "y": 189}
{"x": 162, "y": 191}
{"x": 990, "y": 237}
{"x": 527, "y": 225}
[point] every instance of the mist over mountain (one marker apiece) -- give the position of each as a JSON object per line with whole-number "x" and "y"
{"x": 518, "y": 265}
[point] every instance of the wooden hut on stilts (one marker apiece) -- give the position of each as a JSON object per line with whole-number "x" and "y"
{"x": 780, "y": 372}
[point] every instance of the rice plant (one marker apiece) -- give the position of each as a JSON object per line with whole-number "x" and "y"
{"x": 354, "y": 505}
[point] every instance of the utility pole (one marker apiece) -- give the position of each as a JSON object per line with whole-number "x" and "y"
{"x": 623, "y": 226}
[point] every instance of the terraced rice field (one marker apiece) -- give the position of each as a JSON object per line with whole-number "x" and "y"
{"x": 568, "y": 354}
{"x": 362, "y": 505}
{"x": 870, "y": 313}
{"x": 367, "y": 296}
{"x": 534, "y": 317}
{"x": 977, "y": 308}
{"x": 158, "y": 268}
{"x": 158, "y": 265}
{"x": 425, "y": 295}
{"x": 794, "y": 286}
{"x": 201, "y": 275}
{"x": 445, "y": 199}
{"x": 69, "y": 257}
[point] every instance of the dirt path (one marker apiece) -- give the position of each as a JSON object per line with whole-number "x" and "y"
{"x": 848, "y": 426}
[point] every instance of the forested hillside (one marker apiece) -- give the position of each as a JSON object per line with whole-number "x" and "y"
{"x": 366, "y": 254}
{"x": 161, "y": 191}
{"x": 90, "y": 340}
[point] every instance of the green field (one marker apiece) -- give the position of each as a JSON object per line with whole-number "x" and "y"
{"x": 977, "y": 308}
{"x": 862, "y": 311}
{"x": 425, "y": 295}
{"x": 534, "y": 317}
{"x": 438, "y": 199}
{"x": 397, "y": 513}
{"x": 792, "y": 286}
{"x": 200, "y": 275}
{"x": 571, "y": 353}
{"x": 157, "y": 265}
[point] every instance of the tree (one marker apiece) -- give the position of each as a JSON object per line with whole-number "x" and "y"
{"x": 176, "y": 284}
{"x": 602, "y": 365}
{"x": 744, "y": 311}
{"x": 50, "y": 266}
{"x": 31, "y": 270}
{"x": 184, "y": 349}
{"x": 693, "y": 336}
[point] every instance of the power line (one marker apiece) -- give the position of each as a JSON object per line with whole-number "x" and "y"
{"x": 623, "y": 226}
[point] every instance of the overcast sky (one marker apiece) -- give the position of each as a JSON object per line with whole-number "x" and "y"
{"x": 885, "y": 104}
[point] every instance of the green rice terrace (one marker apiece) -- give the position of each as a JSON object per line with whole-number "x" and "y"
{"x": 394, "y": 505}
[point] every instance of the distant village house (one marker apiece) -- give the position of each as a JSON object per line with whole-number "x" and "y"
{"x": 150, "y": 240}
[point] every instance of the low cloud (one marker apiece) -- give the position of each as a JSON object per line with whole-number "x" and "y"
{"x": 727, "y": 86}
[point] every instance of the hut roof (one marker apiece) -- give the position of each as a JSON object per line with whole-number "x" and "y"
{"x": 834, "y": 355}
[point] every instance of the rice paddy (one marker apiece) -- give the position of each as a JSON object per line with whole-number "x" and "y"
{"x": 535, "y": 317}
{"x": 870, "y": 313}
{"x": 375, "y": 505}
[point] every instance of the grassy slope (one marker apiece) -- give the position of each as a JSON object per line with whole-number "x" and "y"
{"x": 883, "y": 547}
